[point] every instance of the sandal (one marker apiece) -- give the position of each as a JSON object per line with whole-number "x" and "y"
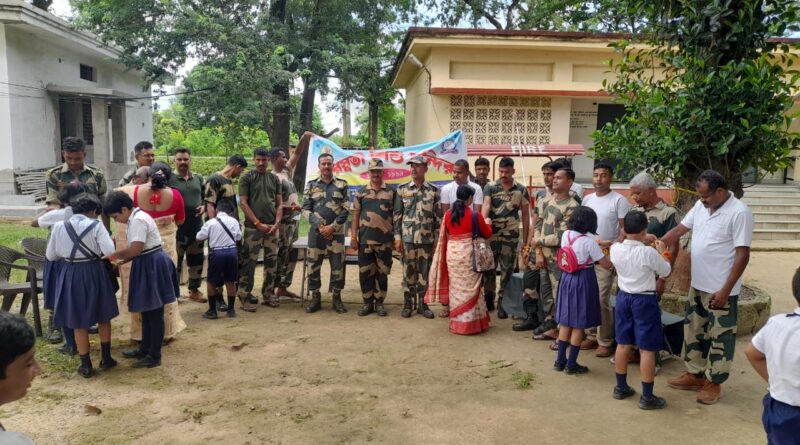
{"x": 554, "y": 346}
{"x": 544, "y": 336}
{"x": 246, "y": 305}
{"x": 445, "y": 313}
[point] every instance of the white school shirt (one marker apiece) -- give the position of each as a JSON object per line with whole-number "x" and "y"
{"x": 142, "y": 228}
{"x": 449, "y": 194}
{"x": 59, "y": 246}
{"x": 50, "y": 218}
{"x": 714, "y": 242}
{"x": 216, "y": 235}
{"x": 637, "y": 266}
{"x": 779, "y": 341}
{"x": 12, "y": 438}
{"x": 610, "y": 208}
{"x": 584, "y": 247}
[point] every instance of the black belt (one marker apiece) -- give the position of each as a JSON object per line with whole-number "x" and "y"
{"x": 150, "y": 250}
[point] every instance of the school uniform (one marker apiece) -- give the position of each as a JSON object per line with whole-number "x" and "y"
{"x": 578, "y": 303}
{"x": 153, "y": 281}
{"x": 779, "y": 341}
{"x": 52, "y": 268}
{"x": 637, "y": 316}
{"x": 84, "y": 294}
{"x": 222, "y": 233}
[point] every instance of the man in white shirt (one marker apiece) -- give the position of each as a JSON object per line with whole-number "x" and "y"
{"x": 722, "y": 230}
{"x": 611, "y": 208}
{"x": 775, "y": 354}
{"x": 461, "y": 177}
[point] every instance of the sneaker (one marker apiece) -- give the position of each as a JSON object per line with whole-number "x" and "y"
{"x": 108, "y": 364}
{"x": 559, "y": 366}
{"x": 688, "y": 382}
{"x": 710, "y": 394}
{"x": 231, "y": 313}
{"x": 623, "y": 393}
{"x": 652, "y": 403}
{"x": 577, "y": 369}
{"x": 210, "y": 315}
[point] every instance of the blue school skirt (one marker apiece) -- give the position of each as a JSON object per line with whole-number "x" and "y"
{"x": 578, "y": 304}
{"x": 84, "y": 295}
{"x": 51, "y": 271}
{"x": 153, "y": 282}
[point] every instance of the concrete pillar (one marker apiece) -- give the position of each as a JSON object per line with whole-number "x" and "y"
{"x": 6, "y": 152}
{"x": 559, "y": 123}
{"x": 102, "y": 151}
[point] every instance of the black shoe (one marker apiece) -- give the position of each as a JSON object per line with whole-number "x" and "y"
{"x": 338, "y": 306}
{"x": 108, "y": 364}
{"x": 424, "y": 310}
{"x": 501, "y": 313}
{"x": 366, "y": 309}
{"x": 489, "y": 302}
{"x": 210, "y": 315}
{"x": 623, "y": 393}
{"x": 578, "y": 369}
{"x": 146, "y": 362}
{"x": 85, "y": 371}
{"x": 252, "y": 299}
{"x": 529, "y": 324}
{"x": 541, "y": 329}
{"x": 559, "y": 366}
{"x": 222, "y": 307}
{"x": 55, "y": 336}
{"x": 93, "y": 329}
{"x": 231, "y": 312}
{"x": 380, "y": 309}
{"x": 134, "y": 353}
{"x": 66, "y": 350}
{"x": 315, "y": 304}
{"x": 408, "y": 305}
{"x": 653, "y": 403}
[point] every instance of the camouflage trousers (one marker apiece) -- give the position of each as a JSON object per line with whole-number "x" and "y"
{"x": 545, "y": 281}
{"x": 505, "y": 259}
{"x": 188, "y": 247}
{"x": 709, "y": 336}
{"x": 253, "y": 241}
{"x": 374, "y": 266}
{"x": 334, "y": 250}
{"x": 417, "y": 260}
{"x": 287, "y": 257}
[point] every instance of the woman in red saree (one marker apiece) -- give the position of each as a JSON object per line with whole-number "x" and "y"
{"x": 451, "y": 281}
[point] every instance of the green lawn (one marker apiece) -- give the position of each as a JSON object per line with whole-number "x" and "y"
{"x": 12, "y": 232}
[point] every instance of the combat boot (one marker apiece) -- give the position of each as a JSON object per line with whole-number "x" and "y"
{"x": 367, "y": 308}
{"x": 423, "y": 308}
{"x": 489, "y": 297}
{"x": 407, "y": 306}
{"x": 531, "y": 321}
{"x": 501, "y": 313}
{"x": 315, "y": 304}
{"x": 380, "y": 309}
{"x": 338, "y": 306}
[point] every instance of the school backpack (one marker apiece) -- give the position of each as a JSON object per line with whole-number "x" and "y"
{"x": 566, "y": 258}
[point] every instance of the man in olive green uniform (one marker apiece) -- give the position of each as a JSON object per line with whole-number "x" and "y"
{"x": 554, "y": 212}
{"x": 482, "y": 168}
{"x": 261, "y": 200}
{"x": 74, "y": 169}
{"x": 325, "y": 202}
{"x": 503, "y": 202}
{"x": 145, "y": 156}
{"x": 191, "y": 187}
{"x": 416, "y": 226}
{"x": 373, "y": 233}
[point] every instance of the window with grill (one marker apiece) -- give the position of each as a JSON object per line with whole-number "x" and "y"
{"x": 88, "y": 131}
{"x": 88, "y": 73}
{"x": 503, "y": 120}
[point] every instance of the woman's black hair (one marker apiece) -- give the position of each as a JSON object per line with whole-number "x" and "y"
{"x": 18, "y": 338}
{"x": 85, "y": 203}
{"x": 116, "y": 201}
{"x": 70, "y": 190}
{"x": 583, "y": 220}
{"x": 160, "y": 174}
{"x": 459, "y": 207}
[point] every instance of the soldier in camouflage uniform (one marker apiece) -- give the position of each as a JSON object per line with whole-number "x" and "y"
{"x": 145, "y": 156}
{"x": 504, "y": 202}
{"x": 373, "y": 233}
{"x": 482, "y": 168}
{"x": 261, "y": 200}
{"x": 554, "y": 212}
{"x": 325, "y": 202}
{"x": 74, "y": 169}
{"x": 416, "y": 226}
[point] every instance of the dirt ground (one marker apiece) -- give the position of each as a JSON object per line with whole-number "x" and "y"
{"x": 328, "y": 378}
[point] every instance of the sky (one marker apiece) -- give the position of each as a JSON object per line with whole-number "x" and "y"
{"x": 330, "y": 119}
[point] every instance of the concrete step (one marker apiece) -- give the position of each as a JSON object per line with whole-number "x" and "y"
{"x": 776, "y": 234}
{"x": 772, "y": 200}
{"x": 779, "y": 225}
{"x": 779, "y": 208}
{"x": 20, "y": 211}
{"x": 749, "y": 196}
{"x": 776, "y": 216}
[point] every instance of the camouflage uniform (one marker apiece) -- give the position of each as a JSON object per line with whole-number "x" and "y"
{"x": 326, "y": 204}
{"x": 375, "y": 236}
{"x": 127, "y": 178}
{"x": 505, "y": 213}
{"x": 416, "y": 225}
{"x": 287, "y": 256}
{"x": 550, "y": 225}
{"x": 219, "y": 188}
{"x": 261, "y": 190}
{"x": 537, "y": 281}
{"x": 58, "y": 177}
{"x": 709, "y": 336}
{"x": 661, "y": 218}
{"x": 186, "y": 243}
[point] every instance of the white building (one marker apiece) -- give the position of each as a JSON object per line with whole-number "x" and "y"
{"x": 56, "y": 81}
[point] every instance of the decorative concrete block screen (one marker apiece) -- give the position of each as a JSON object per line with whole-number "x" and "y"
{"x": 501, "y": 119}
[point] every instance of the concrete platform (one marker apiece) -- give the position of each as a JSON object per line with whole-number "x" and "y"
{"x": 776, "y": 246}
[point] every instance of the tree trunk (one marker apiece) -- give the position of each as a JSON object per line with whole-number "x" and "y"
{"x": 281, "y": 118}
{"x": 306, "y": 124}
{"x": 373, "y": 124}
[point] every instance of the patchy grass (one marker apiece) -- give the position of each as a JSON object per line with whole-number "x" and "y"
{"x": 52, "y": 361}
{"x": 522, "y": 380}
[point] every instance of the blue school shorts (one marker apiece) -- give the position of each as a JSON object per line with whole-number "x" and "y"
{"x": 637, "y": 321}
{"x": 223, "y": 266}
{"x": 781, "y": 421}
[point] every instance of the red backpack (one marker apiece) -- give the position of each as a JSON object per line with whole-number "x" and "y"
{"x": 566, "y": 258}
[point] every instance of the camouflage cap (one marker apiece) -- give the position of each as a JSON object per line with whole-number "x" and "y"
{"x": 375, "y": 164}
{"x": 417, "y": 160}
